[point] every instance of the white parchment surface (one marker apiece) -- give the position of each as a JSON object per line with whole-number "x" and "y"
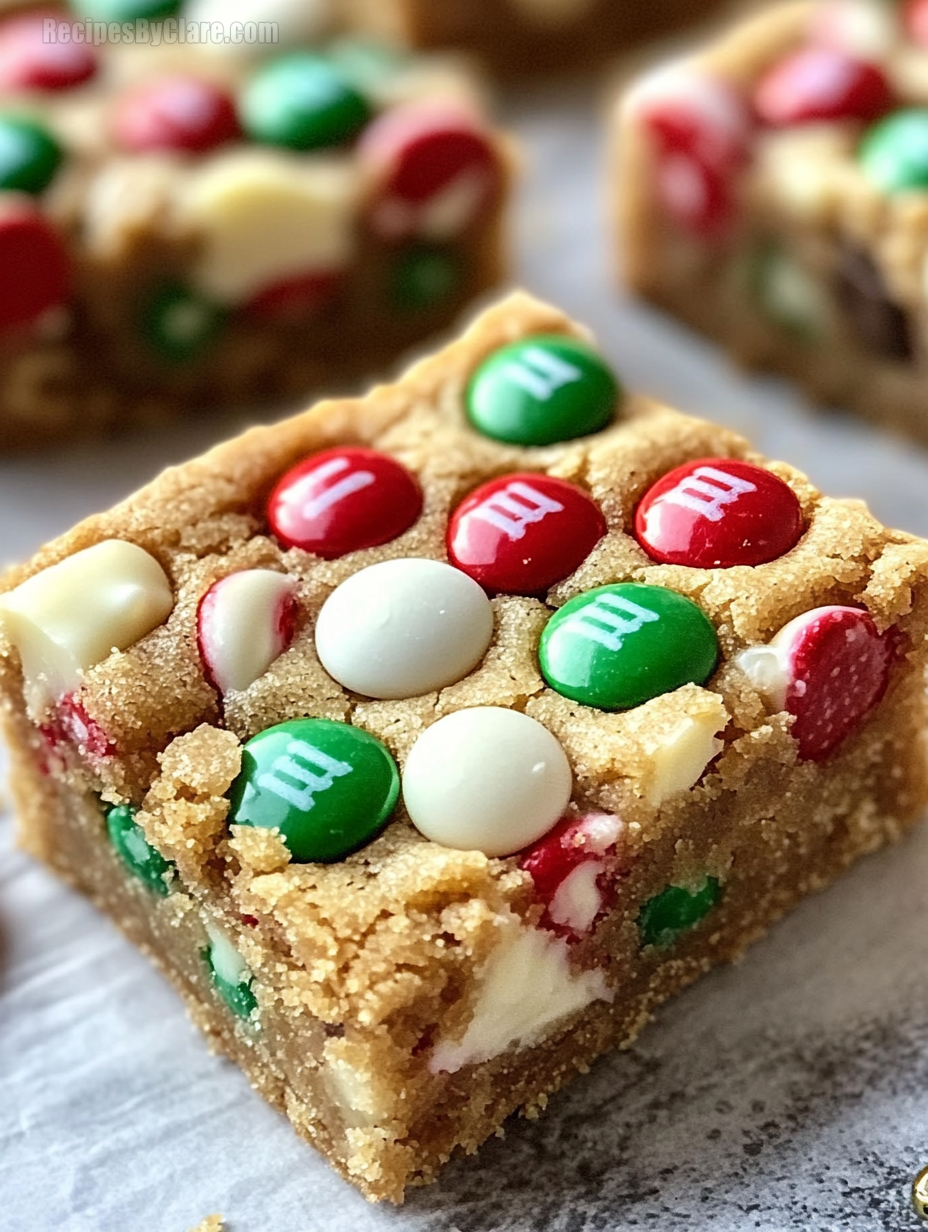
{"x": 790, "y": 1092}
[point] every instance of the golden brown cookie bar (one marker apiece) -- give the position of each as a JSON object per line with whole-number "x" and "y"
{"x": 770, "y": 189}
{"x": 524, "y": 36}
{"x": 428, "y": 741}
{"x": 187, "y": 224}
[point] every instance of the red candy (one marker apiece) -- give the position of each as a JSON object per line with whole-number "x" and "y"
{"x": 916, "y": 21}
{"x": 522, "y": 533}
{"x": 28, "y": 62}
{"x": 702, "y": 132}
{"x": 342, "y": 500}
{"x": 838, "y": 669}
{"x": 175, "y": 113}
{"x": 574, "y": 899}
{"x": 433, "y": 170}
{"x": 294, "y": 298}
{"x": 822, "y": 83}
{"x": 718, "y": 512}
{"x": 34, "y": 263}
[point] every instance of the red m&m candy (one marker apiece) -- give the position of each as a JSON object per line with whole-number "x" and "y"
{"x": 718, "y": 512}
{"x": 28, "y": 62}
{"x": 822, "y": 83}
{"x": 342, "y": 500}
{"x": 701, "y": 130}
{"x": 572, "y": 867}
{"x": 522, "y": 533}
{"x": 828, "y": 668}
{"x": 34, "y": 265}
{"x": 294, "y": 298}
{"x": 175, "y": 113}
{"x": 432, "y": 167}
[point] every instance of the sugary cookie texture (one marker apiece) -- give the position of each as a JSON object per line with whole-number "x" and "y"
{"x": 428, "y": 741}
{"x": 772, "y": 190}
{"x": 187, "y": 223}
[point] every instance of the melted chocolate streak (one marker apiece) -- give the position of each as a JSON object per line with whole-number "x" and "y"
{"x": 787, "y": 1133}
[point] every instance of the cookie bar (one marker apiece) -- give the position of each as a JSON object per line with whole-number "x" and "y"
{"x": 772, "y": 190}
{"x": 428, "y": 741}
{"x": 525, "y": 36}
{"x": 181, "y": 227}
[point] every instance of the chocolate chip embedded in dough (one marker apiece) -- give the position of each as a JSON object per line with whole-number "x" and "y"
{"x": 879, "y": 323}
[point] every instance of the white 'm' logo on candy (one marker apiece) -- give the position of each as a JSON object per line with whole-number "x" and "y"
{"x": 603, "y": 620}
{"x": 540, "y": 373}
{"x": 298, "y": 764}
{"x": 707, "y": 491}
{"x": 511, "y": 515}
{"x": 338, "y": 491}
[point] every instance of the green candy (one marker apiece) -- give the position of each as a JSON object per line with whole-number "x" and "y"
{"x": 787, "y": 294}
{"x": 618, "y": 646}
{"x": 138, "y": 855}
{"x": 126, "y": 10}
{"x": 420, "y": 278}
{"x": 29, "y": 155}
{"x": 303, "y": 102}
{"x": 894, "y": 151}
{"x": 327, "y": 786}
{"x": 542, "y": 390}
{"x": 664, "y": 918}
{"x": 230, "y": 976}
{"x": 368, "y": 66}
{"x": 179, "y": 325}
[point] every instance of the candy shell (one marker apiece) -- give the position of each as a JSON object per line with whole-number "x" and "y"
{"x": 244, "y": 622}
{"x": 570, "y": 867}
{"x": 521, "y": 533}
{"x": 818, "y": 84}
{"x": 28, "y": 62}
{"x": 180, "y": 113}
{"x": 717, "y": 513}
{"x": 135, "y": 851}
{"x": 302, "y": 101}
{"x": 486, "y": 779}
{"x": 404, "y": 627}
{"x": 35, "y": 264}
{"x": 342, "y": 500}
{"x": 29, "y": 156}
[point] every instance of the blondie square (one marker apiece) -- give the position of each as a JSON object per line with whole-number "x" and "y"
{"x": 428, "y": 741}
{"x": 187, "y": 224}
{"x": 772, "y": 190}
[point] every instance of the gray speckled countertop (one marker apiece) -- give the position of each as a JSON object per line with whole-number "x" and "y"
{"x": 785, "y": 1093}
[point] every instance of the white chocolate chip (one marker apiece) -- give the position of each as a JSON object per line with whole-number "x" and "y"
{"x": 526, "y": 989}
{"x": 239, "y": 624}
{"x": 263, "y": 216}
{"x": 486, "y": 779}
{"x": 296, "y": 21}
{"x": 226, "y": 961}
{"x": 403, "y": 627}
{"x": 578, "y": 899}
{"x": 72, "y": 615}
{"x": 677, "y": 759}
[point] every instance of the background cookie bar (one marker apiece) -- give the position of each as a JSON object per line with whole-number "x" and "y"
{"x": 428, "y": 741}
{"x": 182, "y": 228}
{"x": 773, "y": 188}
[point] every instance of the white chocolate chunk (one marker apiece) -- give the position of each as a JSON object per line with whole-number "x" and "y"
{"x": 226, "y": 961}
{"x": 804, "y": 169}
{"x": 240, "y": 626}
{"x": 677, "y": 759}
{"x": 526, "y": 989}
{"x": 867, "y": 28}
{"x": 486, "y": 779}
{"x": 401, "y": 628}
{"x": 264, "y": 216}
{"x": 72, "y": 615}
{"x": 355, "y": 1092}
{"x": 296, "y": 21}
{"x": 578, "y": 899}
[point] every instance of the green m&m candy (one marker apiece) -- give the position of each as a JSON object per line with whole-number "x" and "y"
{"x": 422, "y": 277}
{"x": 179, "y": 325}
{"x": 327, "y": 786}
{"x": 126, "y": 10}
{"x": 135, "y": 851}
{"x": 664, "y": 918}
{"x": 894, "y": 151}
{"x": 303, "y": 102}
{"x": 617, "y": 646}
{"x": 541, "y": 390}
{"x": 229, "y": 974}
{"x": 29, "y": 155}
{"x": 787, "y": 294}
